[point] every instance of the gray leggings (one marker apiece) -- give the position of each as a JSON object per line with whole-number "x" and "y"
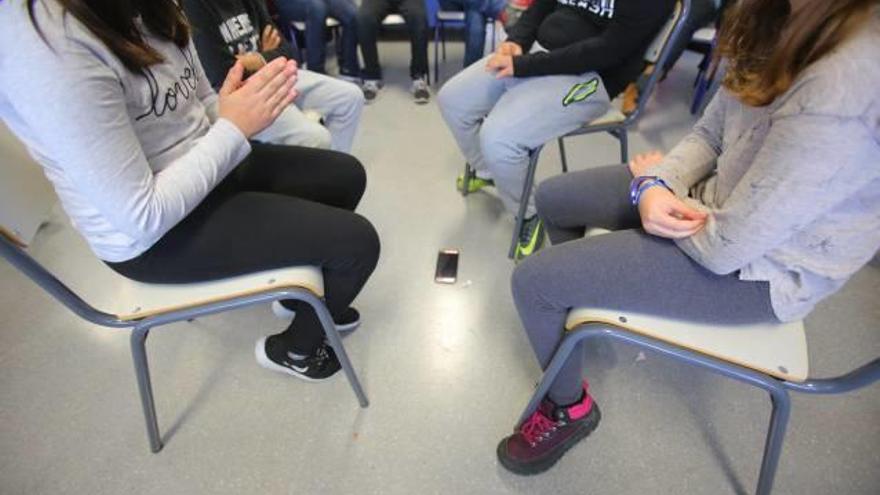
{"x": 627, "y": 269}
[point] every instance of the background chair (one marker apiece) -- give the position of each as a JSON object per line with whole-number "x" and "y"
{"x": 708, "y": 80}
{"x": 614, "y": 122}
{"x": 770, "y": 357}
{"x": 25, "y": 200}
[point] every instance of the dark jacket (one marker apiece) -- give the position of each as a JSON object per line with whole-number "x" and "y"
{"x": 223, "y": 29}
{"x": 606, "y": 36}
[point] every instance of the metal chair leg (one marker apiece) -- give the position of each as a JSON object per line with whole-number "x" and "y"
{"x": 466, "y": 180}
{"x": 436, "y": 53}
{"x": 775, "y": 437}
{"x": 443, "y": 40}
{"x": 494, "y": 34}
{"x": 524, "y": 200}
{"x": 336, "y": 343}
{"x": 562, "y": 155}
{"x": 142, "y": 371}
{"x": 559, "y": 358}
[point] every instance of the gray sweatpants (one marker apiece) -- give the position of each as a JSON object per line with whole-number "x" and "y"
{"x": 340, "y": 104}
{"x": 496, "y": 122}
{"x": 628, "y": 270}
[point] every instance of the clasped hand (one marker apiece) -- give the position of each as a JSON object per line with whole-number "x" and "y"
{"x": 502, "y": 60}
{"x": 254, "y": 104}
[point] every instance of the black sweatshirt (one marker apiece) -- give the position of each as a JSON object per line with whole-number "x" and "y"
{"x": 223, "y": 29}
{"x": 606, "y": 36}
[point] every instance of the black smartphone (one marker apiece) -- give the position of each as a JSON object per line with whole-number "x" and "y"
{"x": 447, "y": 266}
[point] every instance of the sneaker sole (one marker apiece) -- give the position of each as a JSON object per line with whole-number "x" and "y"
{"x": 541, "y": 465}
{"x": 459, "y": 185}
{"x": 283, "y": 313}
{"x": 264, "y": 361}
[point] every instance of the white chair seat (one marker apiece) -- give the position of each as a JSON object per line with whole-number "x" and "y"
{"x": 612, "y": 116}
{"x": 301, "y": 25}
{"x": 450, "y": 16}
{"x": 64, "y": 253}
{"x": 705, "y": 35}
{"x": 778, "y": 350}
{"x": 393, "y": 20}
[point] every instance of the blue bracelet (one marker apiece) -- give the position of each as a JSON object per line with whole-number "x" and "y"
{"x": 641, "y": 184}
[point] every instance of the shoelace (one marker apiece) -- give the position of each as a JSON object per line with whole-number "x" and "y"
{"x": 537, "y": 428}
{"x": 529, "y": 228}
{"x": 321, "y": 357}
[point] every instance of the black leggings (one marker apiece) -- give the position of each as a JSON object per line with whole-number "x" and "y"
{"x": 282, "y": 206}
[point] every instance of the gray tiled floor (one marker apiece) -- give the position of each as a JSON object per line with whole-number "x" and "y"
{"x": 447, "y": 369}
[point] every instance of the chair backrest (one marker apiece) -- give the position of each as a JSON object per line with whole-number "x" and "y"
{"x": 658, "y": 52}
{"x": 26, "y": 197}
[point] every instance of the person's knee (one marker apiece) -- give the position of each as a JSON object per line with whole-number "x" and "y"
{"x": 317, "y": 9}
{"x": 497, "y": 144}
{"x": 352, "y": 98}
{"x": 354, "y": 176}
{"x": 547, "y": 194}
{"x": 366, "y": 238}
{"x": 448, "y": 99}
{"x": 347, "y": 16}
{"x": 525, "y": 282}
{"x": 542, "y": 199}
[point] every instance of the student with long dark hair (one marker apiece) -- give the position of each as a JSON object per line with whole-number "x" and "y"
{"x": 155, "y": 169}
{"x": 765, "y": 209}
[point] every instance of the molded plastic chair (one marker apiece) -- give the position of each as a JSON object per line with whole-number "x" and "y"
{"x": 614, "y": 122}
{"x": 118, "y": 302}
{"x": 769, "y": 357}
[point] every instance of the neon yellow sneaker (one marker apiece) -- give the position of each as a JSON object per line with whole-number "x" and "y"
{"x": 474, "y": 184}
{"x": 531, "y": 238}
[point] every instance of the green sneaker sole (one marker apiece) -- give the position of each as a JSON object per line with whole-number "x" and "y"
{"x": 474, "y": 185}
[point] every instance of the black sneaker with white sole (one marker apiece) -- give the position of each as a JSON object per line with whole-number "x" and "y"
{"x": 348, "y": 322}
{"x": 273, "y": 355}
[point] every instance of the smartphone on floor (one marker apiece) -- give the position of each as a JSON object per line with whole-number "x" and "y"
{"x": 447, "y": 266}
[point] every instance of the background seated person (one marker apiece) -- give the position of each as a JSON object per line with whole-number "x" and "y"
{"x": 227, "y": 30}
{"x": 315, "y": 13}
{"x": 476, "y": 12}
{"x": 370, "y": 17}
{"x": 515, "y": 101}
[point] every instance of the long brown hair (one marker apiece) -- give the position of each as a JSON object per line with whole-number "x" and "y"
{"x": 767, "y": 46}
{"x": 113, "y": 22}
